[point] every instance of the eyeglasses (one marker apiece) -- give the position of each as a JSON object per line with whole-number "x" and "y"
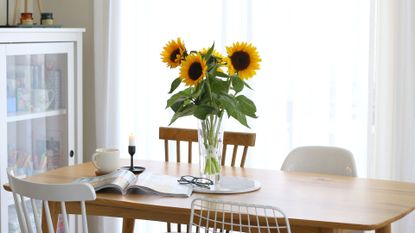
{"x": 198, "y": 181}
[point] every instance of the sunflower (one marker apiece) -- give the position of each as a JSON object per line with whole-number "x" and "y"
{"x": 173, "y": 52}
{"x": 243, "y": 58}
{"x": 193, "y": 69}
{"x": 214, "y": 53}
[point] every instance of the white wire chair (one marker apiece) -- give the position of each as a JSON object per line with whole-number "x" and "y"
{"x": 212, "y": 215}
{"x": 25, "y": 192}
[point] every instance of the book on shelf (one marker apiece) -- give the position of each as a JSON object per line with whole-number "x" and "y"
{"x": 124, "y": 181}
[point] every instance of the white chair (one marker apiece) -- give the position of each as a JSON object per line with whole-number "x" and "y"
{"x": 23, "y": 191}
{"x": 214, "y": 215}
{"x": 320, "y": 159}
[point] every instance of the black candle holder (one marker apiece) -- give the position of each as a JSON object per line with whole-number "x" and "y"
{"x": 132, "y": 168}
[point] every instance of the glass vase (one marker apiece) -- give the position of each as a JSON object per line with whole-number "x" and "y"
{"x": 210, "y": 135}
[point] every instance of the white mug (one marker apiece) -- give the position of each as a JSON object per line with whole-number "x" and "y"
{"x": 106, "y": 160}
{"x": 42, "y": 99}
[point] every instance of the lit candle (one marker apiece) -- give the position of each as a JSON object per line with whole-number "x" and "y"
{"x": 131, "y": 140}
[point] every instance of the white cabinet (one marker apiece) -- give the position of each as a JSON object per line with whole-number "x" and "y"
{"x": 40, "y": 105}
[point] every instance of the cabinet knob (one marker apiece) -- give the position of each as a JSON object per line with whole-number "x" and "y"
{"x": 71, "y": 153}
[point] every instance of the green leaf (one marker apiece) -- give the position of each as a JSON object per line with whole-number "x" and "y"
{"x": 199, "y": 90}
{"x": 221, "y": 74}
{"x": 231, "y": 107}
{"x": 181, "y": 104}
{"x": 246, "y": 106}
{"x": 237, "y": 84}
{"x": 226, "y": 101}
{"x": 209, "y": 52}
{"x": 174, "y": 85}
{"x": 217, "y": 85}
{"x": 246, "y": 84}
{"x": 213, "y": 69}
{"x": 185, "y": 111}
{"x": 202, "y": 111}
{"x": 177, "y": 105}
{"x": 181, "y": 96}
{"x": 242, "y": 119}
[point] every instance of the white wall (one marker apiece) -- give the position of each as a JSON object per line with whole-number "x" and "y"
{"x": 79, "y": 13}
{"x": 11, "y": 10}
{"x": 2, "y": 12}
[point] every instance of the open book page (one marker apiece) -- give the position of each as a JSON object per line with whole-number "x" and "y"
{"x": 161, "y": 185}
{"x": 118, "y": 180}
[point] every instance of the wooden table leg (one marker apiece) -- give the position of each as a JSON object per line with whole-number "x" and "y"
{"x": 54, "y": 214}
{"x": 385, "y": 229}
{"x": 128, "y": 225}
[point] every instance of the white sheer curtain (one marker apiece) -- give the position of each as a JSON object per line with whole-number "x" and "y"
{"x": 107, "y": 89}
{"x": 392, "y": 129}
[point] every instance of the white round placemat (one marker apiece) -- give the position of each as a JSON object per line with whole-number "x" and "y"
{"x": 231, "y": 184}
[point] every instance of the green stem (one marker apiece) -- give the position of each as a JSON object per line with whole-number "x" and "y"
{"x": 210, "y": 131}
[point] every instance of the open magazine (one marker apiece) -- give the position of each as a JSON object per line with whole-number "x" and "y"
{"x": 125, "y": 181}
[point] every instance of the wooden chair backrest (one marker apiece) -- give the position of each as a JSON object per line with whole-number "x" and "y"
{"x": 24, "y": 191}
{"x": 190, "y": 136}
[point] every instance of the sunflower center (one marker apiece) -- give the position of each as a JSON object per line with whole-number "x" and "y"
{"x": 174, "y": 54}
{"x": 195, "y": 70}
{"x": 240, "y": 60}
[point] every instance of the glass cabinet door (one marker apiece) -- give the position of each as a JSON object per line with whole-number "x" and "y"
{"x": 36, "y": 112}
{"x": 40, "y": 111}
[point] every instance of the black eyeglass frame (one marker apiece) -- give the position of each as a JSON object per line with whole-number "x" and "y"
{"x": 198, "y": 181}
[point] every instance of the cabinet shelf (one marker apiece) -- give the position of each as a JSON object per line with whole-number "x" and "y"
{"x": 34, "y": 115}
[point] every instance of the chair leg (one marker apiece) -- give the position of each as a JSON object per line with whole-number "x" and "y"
{"x": 128, "y": 225}
{"x": 54, "y": 213}
{"x": 168, "y": 227}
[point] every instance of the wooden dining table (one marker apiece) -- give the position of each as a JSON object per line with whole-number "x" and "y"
{"x": 313, "y": 202}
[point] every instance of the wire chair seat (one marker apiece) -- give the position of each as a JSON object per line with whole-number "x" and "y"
{"x": 211, "y": 215}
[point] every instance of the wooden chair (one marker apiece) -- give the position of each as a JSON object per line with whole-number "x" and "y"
{"x": 190, "y": 136}
{"x": 25, "y": 191}
{"x": 213, "y": 215}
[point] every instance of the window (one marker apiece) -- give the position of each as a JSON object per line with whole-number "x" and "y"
{"x": 311, "y": 88}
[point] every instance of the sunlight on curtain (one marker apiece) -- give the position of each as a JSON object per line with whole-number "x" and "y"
{"x": 311, "y": 88}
